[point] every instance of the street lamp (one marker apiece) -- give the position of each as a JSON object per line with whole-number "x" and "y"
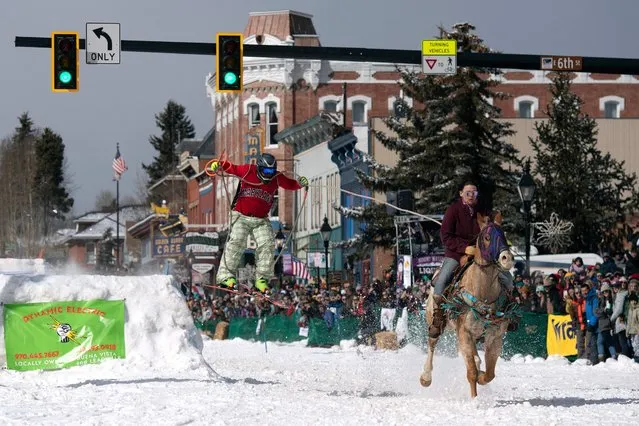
{"x": 526, "y": 189}
{"x": 279, "y": 241}
{"x": 326, "y": 230}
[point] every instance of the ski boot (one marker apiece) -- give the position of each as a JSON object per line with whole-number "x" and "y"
{"x": 261, "y": 284}
{"x": 230, "y": 282}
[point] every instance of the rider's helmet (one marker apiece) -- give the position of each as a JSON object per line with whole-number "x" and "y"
{"x": 266, "y": 167}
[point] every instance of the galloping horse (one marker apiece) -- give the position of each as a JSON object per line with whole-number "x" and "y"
{"x": 474, "y": 305}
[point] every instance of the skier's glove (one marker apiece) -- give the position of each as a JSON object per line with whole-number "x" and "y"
{"x": 303, "y": 181}
{"x": 214, "y": 166}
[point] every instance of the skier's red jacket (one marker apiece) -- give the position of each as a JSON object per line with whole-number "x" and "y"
{"x": 254, "y": 197}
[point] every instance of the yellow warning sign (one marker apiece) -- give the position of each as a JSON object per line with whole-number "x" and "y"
{"x": 439, "y": 47}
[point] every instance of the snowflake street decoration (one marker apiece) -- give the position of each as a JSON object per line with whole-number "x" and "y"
{"x": 554, "y": 233}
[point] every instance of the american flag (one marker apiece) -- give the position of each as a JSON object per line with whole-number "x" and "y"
{"x": 119, "y": 165}
{"x": 299, "y": 269}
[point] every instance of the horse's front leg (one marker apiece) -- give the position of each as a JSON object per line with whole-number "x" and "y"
{"x": 469, "y": 351}
{"x": 427, "y": 375}
{"x": 492, "y": 345}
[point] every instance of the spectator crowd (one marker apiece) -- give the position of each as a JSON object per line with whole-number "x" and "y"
{"x": 601, "y": 299}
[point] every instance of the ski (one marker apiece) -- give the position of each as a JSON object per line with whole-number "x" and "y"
{"x": 258, "y": 295}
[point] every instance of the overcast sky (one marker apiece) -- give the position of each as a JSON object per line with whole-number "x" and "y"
{"x": 117, "y": 103}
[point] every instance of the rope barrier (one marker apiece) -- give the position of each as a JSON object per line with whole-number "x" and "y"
{"x": 224, "y": 176}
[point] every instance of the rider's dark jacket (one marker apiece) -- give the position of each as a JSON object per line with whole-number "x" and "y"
{"x": 459, "y": 229}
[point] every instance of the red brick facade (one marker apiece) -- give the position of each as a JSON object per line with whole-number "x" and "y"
{"x": 298, "y": 98}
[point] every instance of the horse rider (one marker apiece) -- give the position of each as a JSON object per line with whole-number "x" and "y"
{"x": 458, "y": 233}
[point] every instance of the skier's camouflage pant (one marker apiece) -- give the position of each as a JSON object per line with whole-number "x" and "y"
{"x": 241, "y": 227}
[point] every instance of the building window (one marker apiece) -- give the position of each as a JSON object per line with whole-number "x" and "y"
{"x": 318, "y": 205}
{"x": 611, "y": 109}
{"x": 359, "y": 112}
{"x": 330, "y": 106}
{"x": 360, "y": 105}
{"x": 525, "y": 106}
{"x": 330, "y": 103}
{"x": 611, "y": 106}
{"x": 275, "y": 208}
{"x": 253, "y": 115}
{"x": 90, "y": 255}
{"x": 525, "y": 109}
{"x": 334, "y": 190}
{"x": 271, "y": 123}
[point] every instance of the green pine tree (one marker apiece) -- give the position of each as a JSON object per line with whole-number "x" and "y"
{"x": 49, "y": 180}
{"x": 574, "y": 178}
{"x": 175, "y": 126}
{"x": 449, "y": 135}
{"x": 105, "y": 260}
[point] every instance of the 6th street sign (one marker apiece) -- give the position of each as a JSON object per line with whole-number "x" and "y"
{"x": 103, "y": 43}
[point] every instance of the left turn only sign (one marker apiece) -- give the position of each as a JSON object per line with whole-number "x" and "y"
{"x": 103, "y": 43}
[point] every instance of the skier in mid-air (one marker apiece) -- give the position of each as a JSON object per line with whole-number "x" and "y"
{"x": 250, "y": 216}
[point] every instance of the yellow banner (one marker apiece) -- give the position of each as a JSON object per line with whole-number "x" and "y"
{"x": 561, "y": 338}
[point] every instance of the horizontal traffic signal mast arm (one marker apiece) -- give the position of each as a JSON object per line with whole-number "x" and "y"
{"x": 393, "y": 56}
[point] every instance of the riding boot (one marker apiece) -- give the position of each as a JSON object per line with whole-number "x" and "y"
{"x": 436, "y": 328}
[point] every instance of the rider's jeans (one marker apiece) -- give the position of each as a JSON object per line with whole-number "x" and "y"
{"x": 445, "y": 274}
{"x": 448, "y": 269}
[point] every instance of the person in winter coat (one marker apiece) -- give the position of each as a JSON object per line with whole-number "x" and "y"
{"x": 633, "y": 323}
{"x": 576, "y": 308}
{"x": 592, "y": 322}
{"x": 608, "y": 265}
{"x": 250, "y": 216}
{"x": 632, "y": 261}
{"x": 577, "y": 267}
{"x": 619, "y": 321}
{"x": 604, "y": 311}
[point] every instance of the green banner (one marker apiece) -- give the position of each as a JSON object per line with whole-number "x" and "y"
{"x": 52, "y": 335}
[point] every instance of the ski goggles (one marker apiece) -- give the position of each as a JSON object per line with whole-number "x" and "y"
{"x": 269, "y": 171}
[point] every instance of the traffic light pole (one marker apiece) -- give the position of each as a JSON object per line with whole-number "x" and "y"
{"x": 393, "y": 56}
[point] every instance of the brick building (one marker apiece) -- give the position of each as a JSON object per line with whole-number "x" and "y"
{"x": 281, "y": 93}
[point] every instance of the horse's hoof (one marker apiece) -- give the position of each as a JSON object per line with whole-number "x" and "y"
{"x": 425, "y": 381}
{"x": 483, "y": 379}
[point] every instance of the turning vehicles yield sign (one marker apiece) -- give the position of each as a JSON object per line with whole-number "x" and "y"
{"x": 103, "y": 43}
{"x": 439, "y": 56}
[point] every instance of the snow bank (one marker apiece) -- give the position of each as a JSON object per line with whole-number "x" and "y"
{"x": 160, "y": 336}
{"x": 22, "y": 266}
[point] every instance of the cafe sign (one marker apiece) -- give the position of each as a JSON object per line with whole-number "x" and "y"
{"x": 167, "y": 246}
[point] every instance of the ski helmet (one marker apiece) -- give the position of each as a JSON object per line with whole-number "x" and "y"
{"x": 266, "y": 167}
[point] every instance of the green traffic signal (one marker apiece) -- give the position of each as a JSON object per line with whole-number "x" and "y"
{"x": 230, "y": 78}
{"x": 64, "y": 77}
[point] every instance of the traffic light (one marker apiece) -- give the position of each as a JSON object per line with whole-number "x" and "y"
{"x": 65, "y": 61}
{"x": 228, "y": 54}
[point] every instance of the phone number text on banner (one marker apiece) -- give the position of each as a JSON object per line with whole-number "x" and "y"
{"x": 52, "y": 335}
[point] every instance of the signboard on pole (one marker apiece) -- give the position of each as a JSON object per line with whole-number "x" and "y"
{"x": 562, "y": 63}
{"x": 103, "y": 43}
{"x": 439, "y": 57}
{"x": 253, "y": 145}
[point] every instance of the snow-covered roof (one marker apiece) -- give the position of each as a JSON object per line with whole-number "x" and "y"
{"x": 97, "y": 230}
{"x": 60, "y": 236}
{"x": 91, "y": 217}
